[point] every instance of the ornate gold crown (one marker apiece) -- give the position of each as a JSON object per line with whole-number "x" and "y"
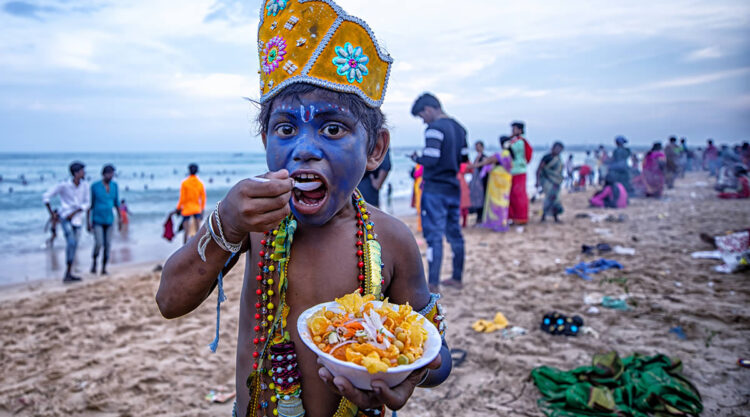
{"x": 316, "y": 42}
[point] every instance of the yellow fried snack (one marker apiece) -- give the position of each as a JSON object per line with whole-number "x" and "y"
{"x": 373, "y": 363}
{"x": 352, "y": 303}
{"x": 377, "y": 338}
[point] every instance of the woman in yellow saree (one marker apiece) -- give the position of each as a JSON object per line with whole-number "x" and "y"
{"x": 497, "y": 198}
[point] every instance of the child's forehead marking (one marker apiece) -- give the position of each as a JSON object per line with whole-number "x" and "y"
{"x": 307, "y": 113}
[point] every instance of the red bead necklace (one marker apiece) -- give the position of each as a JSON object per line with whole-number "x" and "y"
{"x": 267, "y": 273}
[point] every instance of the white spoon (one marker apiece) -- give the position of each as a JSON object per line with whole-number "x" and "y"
{"x": 307, "y": 186}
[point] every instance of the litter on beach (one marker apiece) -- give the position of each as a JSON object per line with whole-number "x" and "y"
{"x": 486, "y": 326}
{"x": 621, "y": 250}
{"x": 584, "y": 269}
{"x": 652, "y": 385}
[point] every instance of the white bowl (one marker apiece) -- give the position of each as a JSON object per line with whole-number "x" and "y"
{"x": 357, "y": 374}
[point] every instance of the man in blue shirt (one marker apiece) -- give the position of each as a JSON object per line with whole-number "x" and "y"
{"x": 445, "y": 150}
{"x": 104, "y": 199}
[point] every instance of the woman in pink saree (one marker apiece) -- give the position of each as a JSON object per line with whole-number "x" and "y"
{"x": 653, "y": 171}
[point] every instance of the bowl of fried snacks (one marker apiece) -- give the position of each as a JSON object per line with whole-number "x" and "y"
{"x": 362, "y": 339}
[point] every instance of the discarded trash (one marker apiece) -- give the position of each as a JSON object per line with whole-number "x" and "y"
{"x": 603, "y": 247}
{"x": 592, "y": 310}
{"x": 714, "y": 254}
{"x": 514, "y": 332}
{"x": 584, "y": 269}
{"x": 590, "y": 331}
{"x": 602, "y": 232}
{"x": 677, "y": 284}
{"x": 616, "y": 219}
{"x": 486, "y": 326}
{"x": 677, "y": 330}
{"x": 219, "y": 397}
{"x": 615, "y": 303}
{"x": 592, "y": 299}
{"x": 598, "y": 218}
{"x": 600, "y": 247}
{"x": 745, "y": 363}
{"x": 622, "y": 250}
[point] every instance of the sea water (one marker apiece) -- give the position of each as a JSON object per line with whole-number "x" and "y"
{"x": 150, "y": 183}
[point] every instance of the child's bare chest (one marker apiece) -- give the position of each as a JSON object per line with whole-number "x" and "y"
{"x": 317, "y": 272}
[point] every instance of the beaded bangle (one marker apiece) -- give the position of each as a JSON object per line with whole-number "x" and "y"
{"x": 229, "y": 247}
{"x": 433, "y": 300}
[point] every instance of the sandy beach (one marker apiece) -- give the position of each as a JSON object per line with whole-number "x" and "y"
{"x": 101, "y": 348}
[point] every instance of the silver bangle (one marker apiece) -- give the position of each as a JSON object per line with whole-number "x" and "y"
{"x": 203, "y": 243}
{"x": 216, "y": 239}
{"x": 229, "y": 247}
{"x": 424, "y": 378}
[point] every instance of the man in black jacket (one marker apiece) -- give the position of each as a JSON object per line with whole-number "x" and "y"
{"x": 445, "y": 149}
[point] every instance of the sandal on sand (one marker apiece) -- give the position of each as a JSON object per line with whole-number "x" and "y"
{"x": 458, "y": 356}
{"x": 555, "y": 323}
{"x": 603, "y": 248}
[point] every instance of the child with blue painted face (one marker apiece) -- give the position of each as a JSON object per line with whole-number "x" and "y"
{"x": 307, "y": 235}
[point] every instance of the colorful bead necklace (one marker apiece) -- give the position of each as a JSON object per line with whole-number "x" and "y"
{"x": 272, "y": 340}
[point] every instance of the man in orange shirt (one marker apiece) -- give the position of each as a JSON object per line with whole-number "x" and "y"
{"x": 192, "y": 202}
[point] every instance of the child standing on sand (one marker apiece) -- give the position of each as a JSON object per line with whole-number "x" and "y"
{"x": 323, "y": 79}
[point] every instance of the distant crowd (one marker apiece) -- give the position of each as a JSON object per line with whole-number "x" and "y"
{"x": 497, "y": 189}
{"x": 496, "y": 192}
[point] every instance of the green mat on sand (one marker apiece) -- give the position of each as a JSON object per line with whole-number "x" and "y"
{"x": 637, "y": 386}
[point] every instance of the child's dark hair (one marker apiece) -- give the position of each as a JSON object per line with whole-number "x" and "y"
{"x": 371, "y": 118}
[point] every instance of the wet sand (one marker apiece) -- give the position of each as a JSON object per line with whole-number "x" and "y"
{"x": 101, "y": 348}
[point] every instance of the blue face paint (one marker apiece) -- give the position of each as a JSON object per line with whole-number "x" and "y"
{"x": 315, "y": 137}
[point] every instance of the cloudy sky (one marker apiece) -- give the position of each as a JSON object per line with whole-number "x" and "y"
{"x": 142, "y": 75}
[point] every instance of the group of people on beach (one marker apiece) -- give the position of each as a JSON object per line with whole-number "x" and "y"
{"x": 92, "y": 207}
{"x": 99, "y": 209}
{"x": 663, "y": 166}
{"x": 497, "y": 189}
{"x": 442, "y": 197}
{"x": 324, "y": 133}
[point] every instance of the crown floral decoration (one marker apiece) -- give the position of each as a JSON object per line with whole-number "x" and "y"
{"x": 316, "y": 42}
